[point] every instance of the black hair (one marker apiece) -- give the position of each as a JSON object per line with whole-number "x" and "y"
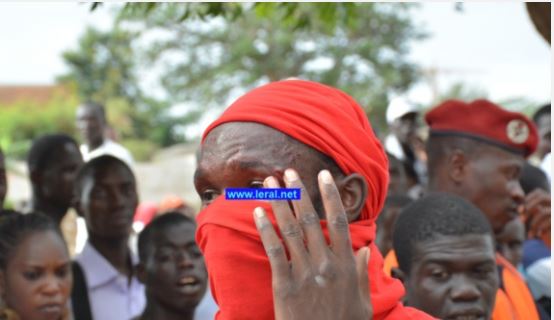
{"x": 432, "y": 216}
{"x": 160, "y": 223}
{"x": 98, "y": 109}
{"x": 15, "y": 227}
{"x": 393, "y": 200}
{"x": 542, "y": 111}
{"x": 99, "y": 163}
{"x": 532, "y": 178}
{"x": 45, "y": 148}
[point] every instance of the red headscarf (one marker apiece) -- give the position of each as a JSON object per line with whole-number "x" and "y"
{"x": 331, "y": 122}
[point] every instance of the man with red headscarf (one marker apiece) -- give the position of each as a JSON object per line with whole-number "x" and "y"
{"x": 309, "y": 127}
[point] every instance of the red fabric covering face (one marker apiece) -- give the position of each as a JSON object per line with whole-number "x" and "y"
{"x": 323, "y": 118}
{"x": 240, "y": 275}
{"x": 327, "y": 120}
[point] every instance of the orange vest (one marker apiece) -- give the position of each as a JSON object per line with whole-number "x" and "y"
{"x": 514, "y": 302}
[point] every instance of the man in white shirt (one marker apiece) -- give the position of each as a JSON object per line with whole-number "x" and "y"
{"x": 92, "y": 123}
{"x": 107, "y": 199}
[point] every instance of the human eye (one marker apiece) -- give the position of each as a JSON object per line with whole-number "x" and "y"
{"x": 32, "y": 275}
{"x": 484, "y": 271}
{"x": 62, "y": 272}
{"x": 99, "y": 193}
{"x": 439, "y": 273}
{"x": 256, "y": 184}
{"x": 209, "y": 195}
{"x": 195, "y": 251}
{"x": 163, "y": 256}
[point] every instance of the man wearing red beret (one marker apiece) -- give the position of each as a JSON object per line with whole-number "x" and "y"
{"x": 317, "y": 131}
{"x": 476, "y": 150}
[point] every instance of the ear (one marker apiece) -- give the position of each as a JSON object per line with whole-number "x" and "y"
{"x": 398, "y": 274}
{"x": 457, "y": 166}
{"x": 141, "y": 272}
{"x": 353, "y": 192}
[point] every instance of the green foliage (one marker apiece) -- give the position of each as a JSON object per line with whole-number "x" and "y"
{"x": 104, "y": 69}
{"x": 142, "y": 150}
{"x": 210, "y": 52}
{"x": 23, "y": 121}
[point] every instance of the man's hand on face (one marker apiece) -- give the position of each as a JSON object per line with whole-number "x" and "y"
{"x": 537, "y": 213}
{"x": 320, "y": 281}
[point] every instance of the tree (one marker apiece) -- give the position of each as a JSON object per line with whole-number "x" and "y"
{"x": 214, "y": 51}
{"x": 104, "y": 68}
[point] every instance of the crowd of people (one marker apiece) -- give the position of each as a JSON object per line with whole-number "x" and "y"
{"x": 450, "y": 220}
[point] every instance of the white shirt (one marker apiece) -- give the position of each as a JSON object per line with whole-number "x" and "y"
{"x": 111, "y": 296}
{"x": 108, "y": 147}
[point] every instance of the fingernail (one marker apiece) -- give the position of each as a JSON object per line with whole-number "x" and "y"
{"x": 271, "y": 182}
{"x": 291, "y": 175}
{"x": 325, "y": 177}
{"x": 259, "y": 212}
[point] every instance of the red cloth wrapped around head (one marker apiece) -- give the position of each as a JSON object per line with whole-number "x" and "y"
{"x": 331, "y": 122}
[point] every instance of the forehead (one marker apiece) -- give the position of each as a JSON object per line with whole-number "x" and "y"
{"x": 38, "y": 248}
{"x": 66, "y": 154}
{"x": 455, "y": 250}
{"x": 113, "y": 173}
{"x": 249, "y": 144}
{"x": 178, "y": 234}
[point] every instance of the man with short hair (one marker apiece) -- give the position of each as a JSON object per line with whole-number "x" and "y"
{"x": 53, "y": 162}
{"x": 477, "y": 150}
{"x": 107, "y": 198}
{"x": 269, "y": 131}
{"x": 446, "y": 257}
{"x": 92, "y": 123}
{"x": 171, "y": 268}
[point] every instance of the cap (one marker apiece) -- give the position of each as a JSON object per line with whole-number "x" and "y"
{"x": 485, "y": 121}
{"x": 399, "y": 107}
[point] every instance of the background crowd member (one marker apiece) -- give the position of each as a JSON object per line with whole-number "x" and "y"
{"x": 476, "y": 150}
{"x": 402, "y": 141}
{"x": 509, "y": 242}
{"x": 541, "y": 118}
{"x": 92, "y": 123}
{"x": 35, "y": 271}
{"x": 172, "y": 269}
{"x": 398, "y": 181}
{"x": 53, "y": 162}
{"x": 309, "y": 127}
{"x": 386, "y": 220}
{"x": 107, "y": 198}
{"x": 3, "y": 179}
{"x": 446, "y": 257}
{"x": 536, "y": 260}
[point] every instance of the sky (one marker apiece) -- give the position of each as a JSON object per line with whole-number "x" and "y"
{"x": 492, "y": 46}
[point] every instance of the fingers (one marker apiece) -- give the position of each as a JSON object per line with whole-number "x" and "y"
{"x": 272, "y": 244}
{"x": 290, "y": 229}
{"x": 307, "y": 217}
{"x": 362, "y": 261}
{"x": 337, "y": 222}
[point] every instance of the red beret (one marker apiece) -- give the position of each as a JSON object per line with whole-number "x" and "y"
{"x": 485, "y": 121}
